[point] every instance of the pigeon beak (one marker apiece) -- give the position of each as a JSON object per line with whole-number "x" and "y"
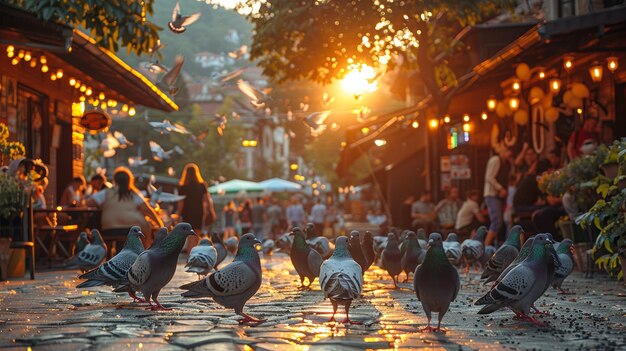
{"x": 292, "y": 234}
{"x": 257, "y": 241}
{"x": 141, "y": 235}
{"x": 431, "y": 241}
{"x": 193, "y": 233}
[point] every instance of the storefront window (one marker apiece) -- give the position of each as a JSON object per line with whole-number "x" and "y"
{"x": 31, "y": 123}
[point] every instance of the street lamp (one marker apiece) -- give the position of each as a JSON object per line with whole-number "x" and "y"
{"x": 555, "y": 85}
{"x": 596, "y": 72}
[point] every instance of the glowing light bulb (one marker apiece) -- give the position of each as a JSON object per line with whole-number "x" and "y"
{"x": 484, "y": 116}
{"x": 59, "y": 73}
{"x": 542, "y": 75}
{"x": 433, "y": 123}
{"x": 72, "y": 81}
{"x": 53, "y": 77}
{"x": 44, "y": 68}
{"x": 612, "y": 63}
{"x": 491, "y": 103}
{"x": 131, "y": 112}
{"x": 415, "y": 124}
{"x": 27, "y": 56}
{"x": 466, "y": 118}
{"x": 446, "y": 119}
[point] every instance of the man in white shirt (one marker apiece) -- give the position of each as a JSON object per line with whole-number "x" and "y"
{"x": 496, "y": 181}
{"x": 469, "y": 215}
{"x": 318, "y": 215}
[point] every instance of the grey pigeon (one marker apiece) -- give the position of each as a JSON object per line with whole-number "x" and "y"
{"x": 355, "y": 250}
{"x": 565, "y": 254}
{"x": 522, "y": 285}
{"x": 268, "y": 247}
{"x": 92, "y": 255}
{"x": 113, "y": 271}
{"x": 523, "y": 253}
{"x": 159, "y": 237}
{"x": 341, "y": 278}
{"x": 219, "y": 248}
{"x": 367, "y": 246}
{"x": 412, "y": 254}
{"x": 452, "y": 247}
{"x": 421, "y": 237}
{"x": 258, "y": 99}
{"x": 305, "y": 260}
{"x": 179, "y": 22}
{"x": 168, "y": 81}
{"x": 310, "y": 231}
{"x": 472, "y": 250}
{"x": 436, "y": 281}
{"x": 490, "y": 250}
{"x": 316, "y": 121}
{"x": 233, "y": 285}
{"x": 379, "y": 244}
{"x": 504, "y": 256}
{"x": 392, "y": 258}
{"x": 321, "y": 245}
{"x": 284, "y": 243}
{"x": 81, "y": 243}
{"x": 201, "y": 258}
{"x": 404, "y": 239}
{"x": 231, "y": 244}
{"x": 154, "y": 268}
{"x": 554, "y": 263}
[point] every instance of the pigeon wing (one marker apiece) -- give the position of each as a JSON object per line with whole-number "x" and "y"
{"x": 187, "y": 20}
{"x": 234, "y": 279}
{"x": 176, "y": 11}
{"x": 314, "y": 261}
{"x": 92, "y": 255}
{"x": 139, "y": 272}
{"x": 249, "y": 90}
{"x": 170, "y": 77}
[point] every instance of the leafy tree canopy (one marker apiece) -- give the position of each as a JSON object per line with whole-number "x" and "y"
{"x": 322, "y": 40}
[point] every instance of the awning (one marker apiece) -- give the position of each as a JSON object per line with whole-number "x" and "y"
{"x": 235, "y": 186}
{"x": 99, "y": 65}
{"x": 277, "y": 185}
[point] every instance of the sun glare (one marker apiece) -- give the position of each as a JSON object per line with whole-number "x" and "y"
{"x": 360, "y": 79}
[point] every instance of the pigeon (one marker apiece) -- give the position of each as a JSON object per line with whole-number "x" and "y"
{"x": 355, "y": 250}
{"x": 108, "y": 145}
{"x": 169, "y": 79}
{"x": 231, "y": 244}
{"x": 412, "y": 255}
{"x": 92, "y": 255}
{"x": 421, "y": 237}
{"x": 504, "y": 256}
{"x": 284, "y": 243}
{"x": 436, "y": 281}
{"x": 159, "y": 237}
{"x": 379, "y": 244}
{"x": 233, "y": 285}
{"x": 154, "y": 67}
{"x": 257, "y": 98}
{"x": 137, "y": 161}
{"x": 219, "y": 248}
{"x": 522, "y": 285}
{"x": 166, "y": 127}
{"x": 239, "y": 53}
{"x": 321, "y": 245}
{"x": 327, "y": 100}
{"x": 523, "y": 253}
{"x": 305, "y": 260}
{"x": 404, "y": 239}
{"x": 158, "y": 154}
{"x": 232, "y": 75}
{"x": 268, "y": 247}
{"x": 367, "y": 246}
{"x": 179, "y": 22}
{"x": 341, "y": 278}
{"x": 452, "y": 248}
{"x": 392, "y": 258}
{"x": 154, "y": 268}
{"x": 155, "y": 50}
{"x": 201, "y": 258}
{"x": 81, "y": 243}
{"x": 113, "y": 271}
{"x": 490, "y": 250}
{"x": 565, "y": 252}
{"x": 316, "y": 122}
{"x": 310, "y": 231}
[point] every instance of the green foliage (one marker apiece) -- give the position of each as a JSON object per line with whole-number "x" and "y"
{"x": 11, "y": 196}
{"x": 110, "y": 23}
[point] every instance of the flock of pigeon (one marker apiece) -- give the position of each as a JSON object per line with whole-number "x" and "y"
{"x": 520, "y": 276}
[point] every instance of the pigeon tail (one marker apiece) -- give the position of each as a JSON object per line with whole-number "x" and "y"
{"x": 341, "y": 286}
{"x": 89, "y": 283}
{"x": 196, "y": 289}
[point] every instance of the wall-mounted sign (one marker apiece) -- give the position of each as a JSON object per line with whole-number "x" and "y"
{"x": 459, "y": 167}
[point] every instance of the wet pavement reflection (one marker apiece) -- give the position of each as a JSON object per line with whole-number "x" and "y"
{"x": 51, "y": 314}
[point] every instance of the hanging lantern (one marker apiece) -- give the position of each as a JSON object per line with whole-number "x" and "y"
{"x": 552, "y": 114}
{"x": 516, "y": 86}
{"x": 612, "y": 63}
{"x": 595, "y": 71}
{"x": 522, "y": 71}
{"x": 568, "y": 62}
{"x": 555, "y": 85}
{"x": 513, "y": 103}
{"x": 521, "y": 117}
{"x": 95, "y": 120}
{"x": 491, "y": 103}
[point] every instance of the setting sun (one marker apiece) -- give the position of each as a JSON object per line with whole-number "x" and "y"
{"x": 360, "y": 79}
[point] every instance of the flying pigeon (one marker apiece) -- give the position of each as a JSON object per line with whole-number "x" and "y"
{"x": 316, "y": 122}
{"x": 233, "y": 285}
{"x": 452, "y": 248}
{"x": 392, "y": 258}
{"x": 504, "y": 256}
{"x": 167, "y": 127}
{"x": 355, "y": 250}
{"x": 201, "y": 258}
{"x": 92, "y": 255}
{"x": 136, "y": 161}
{"x": 239, "y": 53}
{"x": 155, "y": 50}
{"x": 341, "y": 278}
{"x": 327, "y": 100}
{"x": 412, "y": 255}
{"x": 522, "y": 285}
{"x": 231, "y": 244}
{"x": 158, "y": 154}
{"x": 154, "y": 268}
{"x": 305, "y": 260}
{"x": 108, "y": 145}
{"x": 472, "y": 250}
{"x": 367, "y": 246}
{"x": 154, "y": 67}
{"x": 232, "y": 75}
{"x": 168, "y": 81}
{"x": 436, "y": 281}
{"x": 257, "y": 98}
{"x": 113, "y": 271}
{"x": 565, "y": 252}
{"x": 218, "y": 244}
{"x": 179, "y": 22}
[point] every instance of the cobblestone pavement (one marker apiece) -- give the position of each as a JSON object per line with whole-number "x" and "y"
{"x": 51, "y": 314}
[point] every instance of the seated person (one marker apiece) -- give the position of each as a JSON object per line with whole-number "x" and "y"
{"x": 97, "y": 182}
{"x": 422, "y": 212}
{"x": 469, "y": 216}
{"x": 74, "y": 194}
{"x": 448, "y": 208}
{"x": 122, "y": 207}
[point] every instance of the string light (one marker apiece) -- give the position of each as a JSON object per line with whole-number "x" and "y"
{"x": 555, "y": 85}
{"x": 542, "y": 75}
{"x": 15, "y": 61}
{"x": 44, "y": 68}
{"x": 125, "y": 108}
{"x": 20, "y": 54}
{"x": 446, "y": 119}
{"x": 33, "y": 63}
{"x": 466, "y": 118}
{"x": 27, "y": 56}
{"x": 101, "y": 96}
{"x": 612, "y": 63}
{"x": 433, "y": 123}
{"x": 491, "y": 103}
{"x": 10, "y": 48}
{"x": 72, "y": 82}
{"x": 10, "y": 53}
{"x": 59, "y": 73}
{"x": 88, "y": 92}
{"x": 568, "y": 62}
{"x": 516, "y": 85}
{"x": 415, "y": 124}
{"x": 83, "y": 88}
{"x": 131, "y": 112}
{"x": 53, "y": 77}
{"x": 43, "y": 60}
{"x": 466, "y": 127}
{"x": 483, "y": 116}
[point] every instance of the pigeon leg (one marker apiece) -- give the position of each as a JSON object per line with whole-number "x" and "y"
{"x": 395, "y": 282}
{"x": 467, "y": 267}
{"x": 347, "y": 320}
{"x": 532, "y": 320}
{"x": 332, "y": 318}
{"x": 151, "y": 307}
{"x": 248, "y": 319}
{"x": 439, "y": 329}
{"x": 158, "y": 306}
{"x": 537, "y": 311}
{"x": 135, "y": 298}
{"x": 564, "y": 292}
{"x": 428, "y": 328}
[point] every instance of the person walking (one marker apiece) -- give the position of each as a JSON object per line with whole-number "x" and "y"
{"x": 229, "y": 219}
{"x": 295, "y": 213}
{"x": 245, "y": 216}
{"x": 259, "y": 218}
{"x": 318, "y": 215}
{"x": 495, "y": 191}
{"x": 197, "y": 206}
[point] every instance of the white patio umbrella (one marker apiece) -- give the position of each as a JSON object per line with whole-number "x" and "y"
{"x": 277, "y": 184}
{"x": 235, "y": 186}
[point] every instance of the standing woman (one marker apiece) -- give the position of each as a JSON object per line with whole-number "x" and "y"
{"x": 229, "y": 220}
{"x": 245, "y": 216}
{"x": 197, "y": 206}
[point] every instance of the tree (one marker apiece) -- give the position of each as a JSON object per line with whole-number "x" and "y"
{"x": 110, "y": 23}
{"x": 324, "y": 40}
